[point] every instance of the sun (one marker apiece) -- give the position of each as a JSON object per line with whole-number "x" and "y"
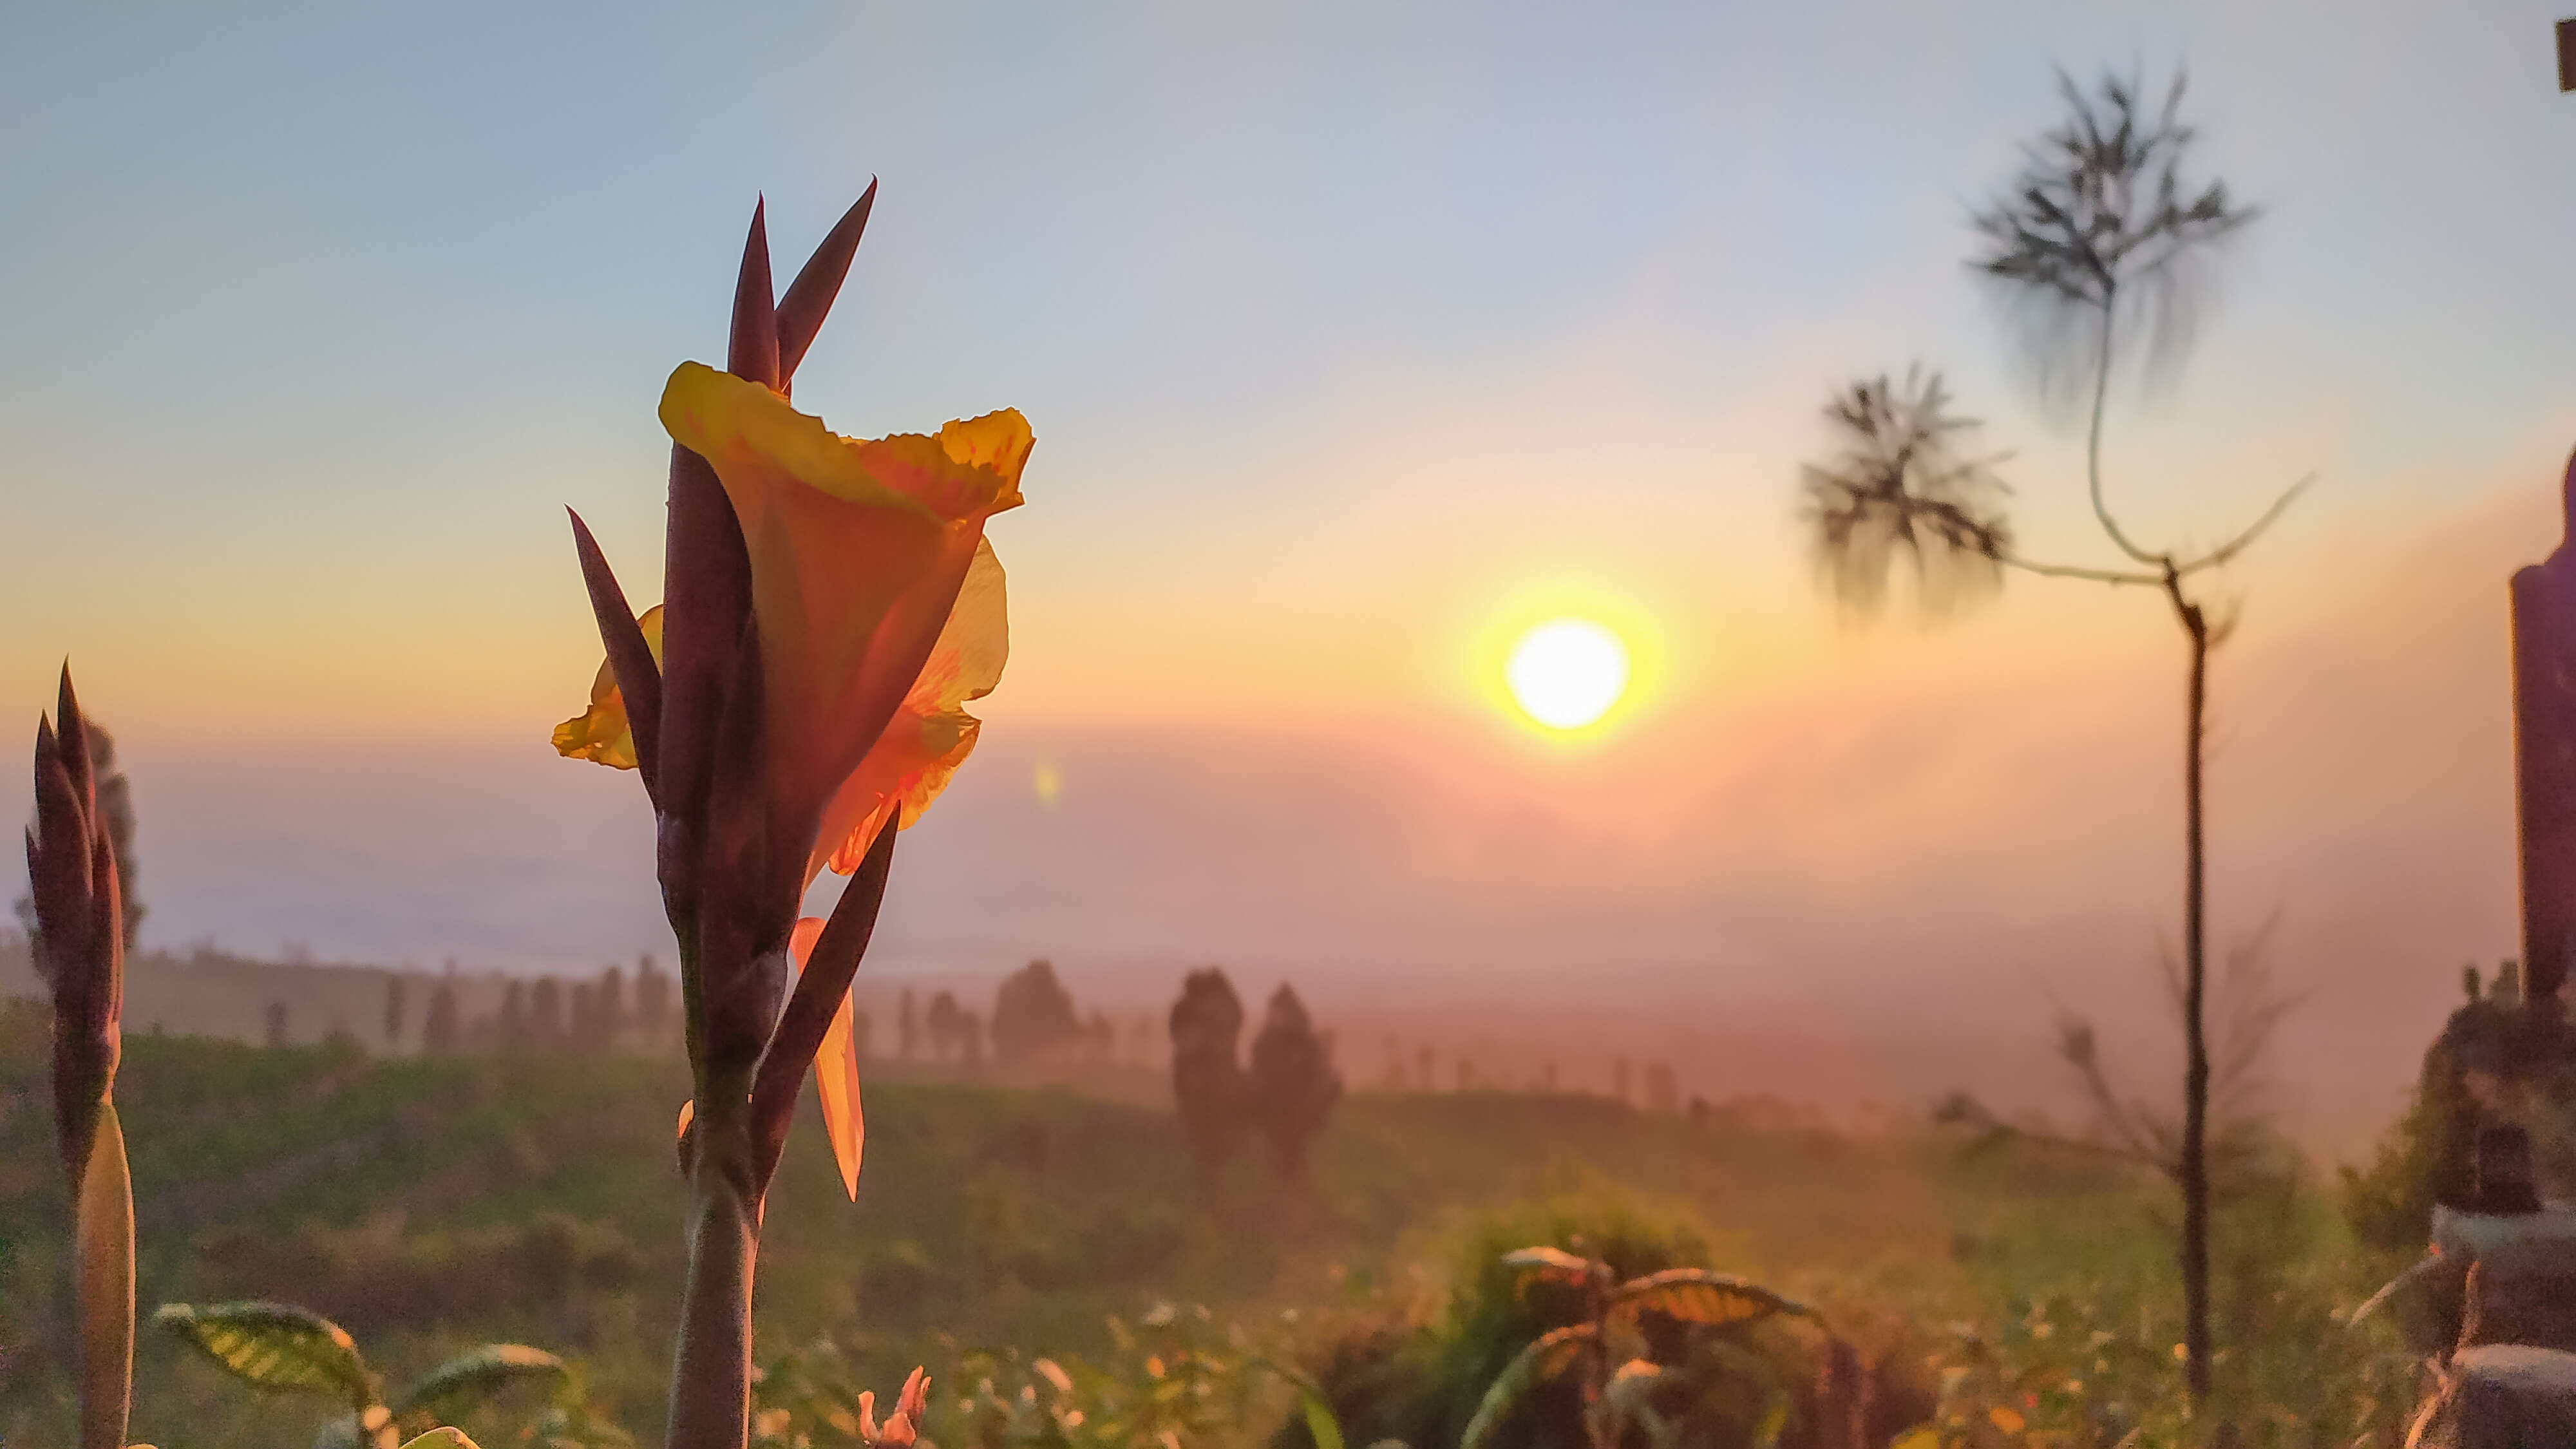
{"x": 1566, "y": 673}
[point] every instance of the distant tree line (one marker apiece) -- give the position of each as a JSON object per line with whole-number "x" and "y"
{"x": 548, "y": 1013}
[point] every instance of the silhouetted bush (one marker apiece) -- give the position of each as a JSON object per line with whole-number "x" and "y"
{"x": 1032, "y": 1015}
{"x": 1293, "y": 1084}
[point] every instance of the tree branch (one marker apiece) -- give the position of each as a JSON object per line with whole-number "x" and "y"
{"x": 2075, "y": 571}
{"x": 2237, "y": 545}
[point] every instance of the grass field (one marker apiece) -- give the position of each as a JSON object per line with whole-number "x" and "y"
{"x": 428, "y": 1204}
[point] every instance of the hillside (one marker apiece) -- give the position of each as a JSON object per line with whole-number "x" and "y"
{"x": 430, "y": 1203}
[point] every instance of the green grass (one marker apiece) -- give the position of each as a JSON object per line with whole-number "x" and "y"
{"x": 431, "y": 1204}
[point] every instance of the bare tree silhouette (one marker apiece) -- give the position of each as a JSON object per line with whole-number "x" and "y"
{"x": 2100, "y": 252}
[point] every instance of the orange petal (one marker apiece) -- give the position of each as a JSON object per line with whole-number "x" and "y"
{"x": 836, "y": 1074}
{"x": 601, "y": 732}
{"x": 836, "y": 1068}
{"x": 929, "y": 736}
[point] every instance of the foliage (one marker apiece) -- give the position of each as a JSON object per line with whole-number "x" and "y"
{"x": 1174, "y": 1377}
{"x": 2389, "y": 1203}
{"x": 2077, "y": 1342}
{"x": 2099, "y": 231}
{"x": 1489, "y": 1363}
{"x": 1905, "y": 488}
{"x": 1666, "y": 1402}
{"x": 279, "y": 1348}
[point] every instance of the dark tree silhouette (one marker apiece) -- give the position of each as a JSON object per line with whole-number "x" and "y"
{"x": 1208, "y": 1087}
{"x": 1663, "y": 1094}
{"x": 395, "y": 990}
{"x": 611, "y": 1007}
{"x": 440, "y": 1032}
{"x": 513, "y": 1025}
{"x": 652, "y": 1001}
{"x": 581, "y": 1012}
{"x": 277, "y": 1023}
{"x": 2099, "y": 250}
{"x": 1293, "y": 1084}
{"x": 1032, "y": 1015}
{"x": 907, "y": 1027}
{"x": 944, "y": 1021}
{"x": 546, "y": 1014}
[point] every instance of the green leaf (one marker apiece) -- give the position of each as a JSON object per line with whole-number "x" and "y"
{"x": 1320, "y": 1423}
{"x": 1695, "y": 1295}
{"x": 1546, "y": 1357}
{"x": 103, "y": 1239}
{"x": 276, "y": 1346}
{"x": 478, "y": 1374}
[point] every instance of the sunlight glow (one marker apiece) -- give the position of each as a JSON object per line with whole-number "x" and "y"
{"x": 1567, "y": 673}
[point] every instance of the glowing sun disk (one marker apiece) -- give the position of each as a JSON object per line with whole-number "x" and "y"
{"x": 1567, "y": 673}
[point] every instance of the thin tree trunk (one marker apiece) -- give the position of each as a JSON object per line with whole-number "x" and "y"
{"x": 2193, "y": 1170}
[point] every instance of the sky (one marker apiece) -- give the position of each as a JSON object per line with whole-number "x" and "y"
{"x": 1355, "y": 339}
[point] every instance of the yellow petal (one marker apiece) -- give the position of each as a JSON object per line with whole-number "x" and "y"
{"x": 970, "y": 470}
{"x": 1000, "y": 441}
{"x": 601, "y": 733}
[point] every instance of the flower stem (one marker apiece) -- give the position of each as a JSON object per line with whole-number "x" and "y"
{"x": 711, "y": 1378}
{"x": 103, "y": 1236}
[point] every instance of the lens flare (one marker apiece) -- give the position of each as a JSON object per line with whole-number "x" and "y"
{"x": 1566, "y": 673}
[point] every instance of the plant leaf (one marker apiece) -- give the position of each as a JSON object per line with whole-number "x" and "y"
{"x": 103, "y": 1234}
{"x": 478, "y": 1374}
{"x": 1696, "y": 1295}
{"x": 1545, "y": 1358}
{"x": 1321, "y": 1426}
{"x": 276, "y": 1346}
{"x": 1554, "y": 1265}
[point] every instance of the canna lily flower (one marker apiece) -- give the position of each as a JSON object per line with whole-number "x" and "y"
{"x": 851, "y": 544}
{"x": 830, "y": 606}
{"x": 860, "y": 552}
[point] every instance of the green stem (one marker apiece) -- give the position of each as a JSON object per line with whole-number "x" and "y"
{"x": 103, "y": 1234}
{"x": 711, "y": 1376}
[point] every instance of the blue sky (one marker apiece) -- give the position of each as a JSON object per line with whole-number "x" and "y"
{"x": 1337, "y": 324}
